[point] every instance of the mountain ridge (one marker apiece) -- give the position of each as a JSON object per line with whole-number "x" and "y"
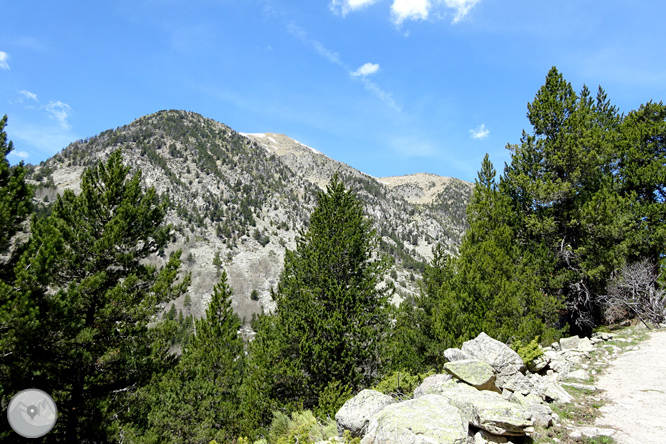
{"x": 244, "y": 197}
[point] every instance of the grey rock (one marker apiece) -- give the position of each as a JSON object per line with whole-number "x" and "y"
{"x": 434, "y": 385}
{"x": 570, "y": 343}
{"x": 585, "y": 345}
{"x": 505, "y": 361}
{"x": 554, "y": 392}
{"x": 579, "y": 374}
{"x": 426, "y": 420}
{"x": 518, "y": 383}
{"x": 355, "y": 414}
{"x": 490, "y": 412}
{"x": 538, "y": 364}
{"x": 455, "y": 354}
{"x": 478, "y": 374}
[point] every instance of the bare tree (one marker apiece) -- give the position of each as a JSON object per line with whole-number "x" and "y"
{"x": 635, "y": 291}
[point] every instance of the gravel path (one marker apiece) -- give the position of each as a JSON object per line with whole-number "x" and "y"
{"x": 635, "y": 385}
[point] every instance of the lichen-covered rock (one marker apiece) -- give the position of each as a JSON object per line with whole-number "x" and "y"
{"x": 434, "y": 385}
{"x": 570, "y": 343}
{"x": 541, "y": 414}
{"x": 490, "y": 412}
{"x": 505, "y": 361}
{"x": 478, "y": 374}
{"x": 518, "y": 383}
{"x": 355, "y": 414}
{"x": 426, "y": 420}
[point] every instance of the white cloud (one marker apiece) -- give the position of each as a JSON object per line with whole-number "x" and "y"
{"x": 28, "y": 95}
{"x": 402, "y": 10}
{"x": 59, "y": 111}
{"x": 480, "y": 132}
{"x": 334, "y": 57}
{"x": 4, "y": 57}
{"x": 344, "y": 7}
{"x": 21, "y": 154}
{"x": 462, "y": 8}
{"x": 366, "y": 70}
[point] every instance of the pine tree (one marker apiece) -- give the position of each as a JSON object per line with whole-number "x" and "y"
{"x": 642, "y": 171}
{"x": 15, "y": 206}
{"x": 330, "y": 315}
{"x": 563, "y": 190}
{"x": 89, "y": 289}
{"x": 15, "y": 195}
{"x": 490, "y": 287}
{"x": 197, "y": 401}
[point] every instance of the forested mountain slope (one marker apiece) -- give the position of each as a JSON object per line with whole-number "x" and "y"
{"x": 238, "y": 201}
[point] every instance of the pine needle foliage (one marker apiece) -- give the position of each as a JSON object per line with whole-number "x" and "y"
{"x": 86, "y": 298}
{"x": 198, "y": 399}
{"x": 331, "y": 310}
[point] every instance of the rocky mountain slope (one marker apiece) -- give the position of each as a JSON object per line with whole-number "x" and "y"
{"x": 238, "y": 201}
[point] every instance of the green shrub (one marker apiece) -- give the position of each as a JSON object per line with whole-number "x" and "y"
{"x": 401, "y": 384}
{"x": 528, "y": 352}
{"x": 301, "y": 428}
{"x": 332, "y": 398}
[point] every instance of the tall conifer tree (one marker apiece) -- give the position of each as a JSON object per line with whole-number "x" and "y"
{"x": 90, "y": 299}
{"x": 330, "y": 314}
{"x": 197, "y": 401}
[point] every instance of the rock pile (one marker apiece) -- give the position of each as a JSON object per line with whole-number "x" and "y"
{"x": 486, "y": 395}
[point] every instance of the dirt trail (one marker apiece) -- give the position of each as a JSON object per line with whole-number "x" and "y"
{"x": 635, "y": 385}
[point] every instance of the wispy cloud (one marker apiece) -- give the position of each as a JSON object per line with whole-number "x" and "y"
{"x": 21, "y": 154}
{"x": 366, "y": 70}
{"x": 461, "y": 7}
{"x": 334, "y": 58}
{"x": 344, "y": 7}
{"x": 59, "y": 111}
{"x": 480, "y": 132}
{"x": 4, "y": 57}
{"x": 28, "y": 95}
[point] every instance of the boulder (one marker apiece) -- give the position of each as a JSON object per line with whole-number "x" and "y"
{"x": 454, "y": 354}
{"x": 428, "y": 419}
{"x": 434, "y": 385}
{"x": 355, "y": 414}
{"x": 580, "y": 375}
{"x": 585, "y": 345}
{"x": 538, "y": 363}
{"x": 570, "y": 343}
{"x": 505, "y": 361}
{"x": 518, "y": 383}
{"x": 541, "y": 414}
{"x": 554, "y": 392}
{"x": 478, "y": 374}
{"x": 490, "y": 412}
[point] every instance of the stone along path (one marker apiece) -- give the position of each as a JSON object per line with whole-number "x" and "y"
{"x": 635, "y": 386}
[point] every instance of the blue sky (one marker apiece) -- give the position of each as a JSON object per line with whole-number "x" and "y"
{"x": 390, "y": 87}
